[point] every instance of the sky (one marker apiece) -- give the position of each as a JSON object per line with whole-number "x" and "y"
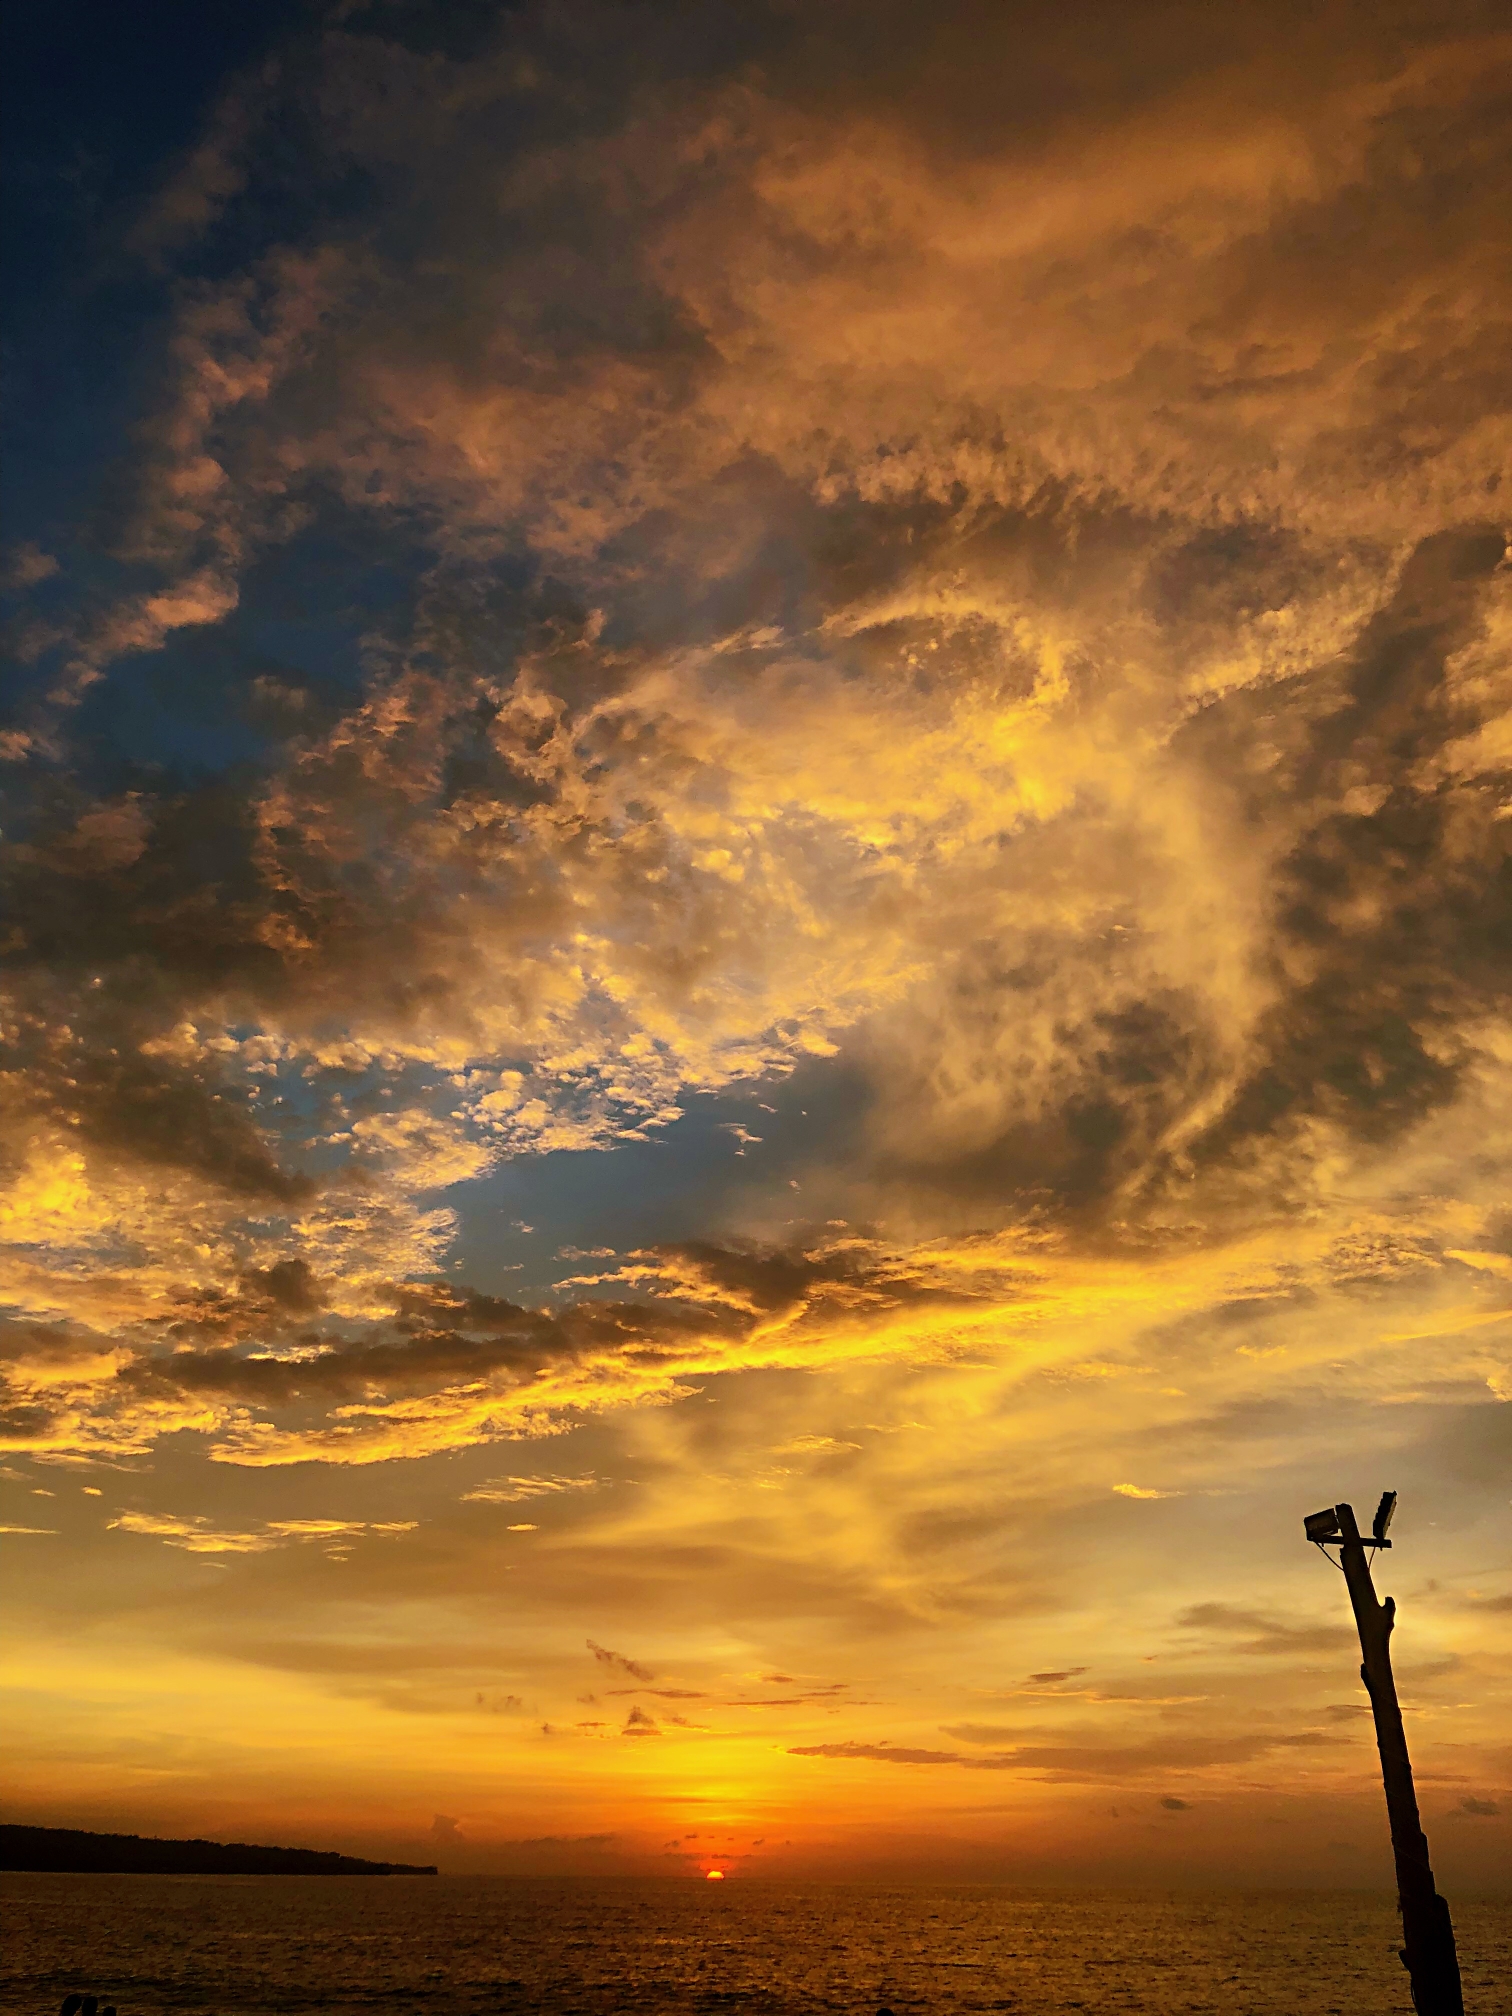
{"x": 758, "y": 844}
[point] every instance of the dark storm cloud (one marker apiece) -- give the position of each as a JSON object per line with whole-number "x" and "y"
{"x": 441, "y": 1337}
{"x": 330, "y": 1377}
{"x": 156, "y": 1116}
{"x": 271, "y": 1347}
{"x": 820, "y": 1279}
{"x": 164, "y": 881}
{"x": 288, "y": 1285}
{"x": 23, "y": 1420}
{"x": 1396, "y": 902}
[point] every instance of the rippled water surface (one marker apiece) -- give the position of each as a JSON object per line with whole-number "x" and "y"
{"x": 258, "y": 1945}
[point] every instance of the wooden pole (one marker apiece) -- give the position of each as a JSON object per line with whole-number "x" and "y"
{"x": 1428, "y": 1953}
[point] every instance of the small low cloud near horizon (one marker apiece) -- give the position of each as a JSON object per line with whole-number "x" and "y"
{"x": 757, "y": 841}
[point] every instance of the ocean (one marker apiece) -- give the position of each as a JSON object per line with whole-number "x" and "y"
{"x": 389, "y": 1946}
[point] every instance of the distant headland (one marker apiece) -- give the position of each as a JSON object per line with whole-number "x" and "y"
{"x": 69, "y": 1850}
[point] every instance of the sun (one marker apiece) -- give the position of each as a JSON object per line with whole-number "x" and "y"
{"x": 714, "y": 1876}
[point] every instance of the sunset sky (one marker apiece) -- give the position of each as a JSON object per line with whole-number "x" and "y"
{"x": 758, "y": 842}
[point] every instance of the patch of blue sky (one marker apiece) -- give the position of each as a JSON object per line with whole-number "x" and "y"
{"x": 309, "y": 1106}
{"x": 109, "y": 109}
{"x": 290, "y": 655}
{"x": 732, "y": 1158}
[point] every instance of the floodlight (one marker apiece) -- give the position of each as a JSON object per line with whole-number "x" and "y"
{"x": 1380, "y": 1525}
{"x": 1322, "y": 1525}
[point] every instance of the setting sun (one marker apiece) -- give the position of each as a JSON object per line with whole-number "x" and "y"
{"x": 715, "y": 1876}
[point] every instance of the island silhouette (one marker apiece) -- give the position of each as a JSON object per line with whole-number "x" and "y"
{"x": 70, "y": 1850}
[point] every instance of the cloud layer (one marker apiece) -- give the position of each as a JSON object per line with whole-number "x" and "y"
{"x": 955, "y": 572}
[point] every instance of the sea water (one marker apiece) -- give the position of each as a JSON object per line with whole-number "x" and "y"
{"x": 388, "y": 1946}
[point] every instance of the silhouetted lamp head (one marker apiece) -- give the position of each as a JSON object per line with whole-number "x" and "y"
{"x": 1321, "y": 1525}
{"x": 1381, "y": 1524}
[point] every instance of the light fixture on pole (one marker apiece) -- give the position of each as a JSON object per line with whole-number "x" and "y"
{"x": 1428, "y": 1951}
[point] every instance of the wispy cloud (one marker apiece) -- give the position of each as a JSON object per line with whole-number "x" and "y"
{"x": 198, "y": 1535}
{"x": 621, "y": 1662}
{"x": 519, "y": 1490}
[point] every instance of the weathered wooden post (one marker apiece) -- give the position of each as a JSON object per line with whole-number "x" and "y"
{"x": 1428, "y": 1952}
